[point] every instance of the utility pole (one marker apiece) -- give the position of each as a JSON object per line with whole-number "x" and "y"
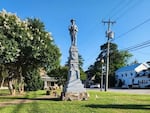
{"x": 102, "y": 62}
{"x": 109, "y": 35}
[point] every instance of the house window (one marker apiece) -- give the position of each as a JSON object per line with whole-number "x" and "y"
{"x": 122, "y": 75}
{"x": 131, "y": 74}
{"x": 142, "y": 81}
{"x": 126, "y": 74}
{"x": 146, "y": 82}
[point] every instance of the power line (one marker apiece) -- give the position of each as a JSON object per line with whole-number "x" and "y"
{"x": 127, "y": 9}
{"x": 120, "y": 8}
{"x": 113, "y": 9}
{"x": 144, "y": 46}
{"x": 135, "y": 27}
{"x": 138, "y": 46}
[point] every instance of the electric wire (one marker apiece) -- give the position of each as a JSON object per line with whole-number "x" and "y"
{"x": 121, "y": 8}
{"x": 116, "y": 9}
{"x": 135, "y": 27}
{"x": 113, "y": 9}
{"x": 138, "y": 46}
{"x": 132, "y": 6}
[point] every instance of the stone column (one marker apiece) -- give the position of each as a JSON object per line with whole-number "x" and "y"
{"x": 45, "y": 84}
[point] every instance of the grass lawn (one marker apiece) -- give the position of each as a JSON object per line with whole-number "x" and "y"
{"x": 106, "y": 102}
{"x": 5, "y": 95}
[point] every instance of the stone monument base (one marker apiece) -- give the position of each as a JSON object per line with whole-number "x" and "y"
{"x": 70, "y": 96}
{"x": 74, "y": 90}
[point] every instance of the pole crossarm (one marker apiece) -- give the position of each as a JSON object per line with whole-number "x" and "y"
{"x": 109, "y": 23}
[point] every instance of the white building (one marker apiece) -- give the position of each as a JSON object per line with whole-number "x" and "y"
{"x": 128, "y": 76}
{"x": 142, "y": 80}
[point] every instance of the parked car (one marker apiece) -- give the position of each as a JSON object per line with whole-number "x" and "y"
{"x": 135, "y": 86}
{"x": 95, "y": 86}
{"x": 125, "y": 87}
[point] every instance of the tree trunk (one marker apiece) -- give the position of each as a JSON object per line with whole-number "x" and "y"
{"x": 20, "y": 81}
{"x": 11, "y": 87}
{"x": 21, "y": 88}
{"x": 2, "y": 83}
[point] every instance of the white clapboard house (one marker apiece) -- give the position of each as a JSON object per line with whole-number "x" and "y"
{"x": 133, "y": 76}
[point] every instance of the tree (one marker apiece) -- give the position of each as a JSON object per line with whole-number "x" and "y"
{"x": 82, "y": 73}
{"x": 3, "y": 74}
{"x": 25, "y": 44}
{"x": 33, "y": 80}
{"x": 43, "y": 52}
{"x": 9, "y": 46}
{"x": 117, "y": 60}
{"x": 61, "y": 72}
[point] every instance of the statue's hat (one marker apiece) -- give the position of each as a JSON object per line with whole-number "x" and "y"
{"x": 72, "y": 20}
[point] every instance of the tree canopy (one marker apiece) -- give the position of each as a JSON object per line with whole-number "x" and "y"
{"x": 117, "y": 59}
{"x": 61, "y": 73}
{"x": 25, "y": 45}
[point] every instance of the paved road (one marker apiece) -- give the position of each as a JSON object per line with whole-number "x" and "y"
{"x": 131, "y": 91}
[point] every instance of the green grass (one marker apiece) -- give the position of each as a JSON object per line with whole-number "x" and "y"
{"x": 107, "y": 102}
{"x": 5, "y": 95}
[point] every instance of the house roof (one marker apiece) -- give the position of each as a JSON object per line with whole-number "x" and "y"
{"x": 128, "y": 68}
{"x": 147, "y": 64}
{"x": 47, "y": 78}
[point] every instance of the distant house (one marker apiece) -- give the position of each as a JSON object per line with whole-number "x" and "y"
{"x": 48, "y": 81}
{"x": 128, "y": 76}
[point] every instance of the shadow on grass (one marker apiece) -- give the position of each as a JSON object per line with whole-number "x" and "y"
{"x": 121, "y": 106}
{"x": 53, "y": 99}
{"x": 23, "y": 99}
{"x": 26, "y": 98}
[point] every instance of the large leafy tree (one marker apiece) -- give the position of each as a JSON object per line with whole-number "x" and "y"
{"x": 43, "y": 52}
{"x": 82, "y": 73}
{"x": 25, "y": 46}
{"x": 61, "y": 73}
{"x": 11, "y": 28}
{"x": 117, "y": 60}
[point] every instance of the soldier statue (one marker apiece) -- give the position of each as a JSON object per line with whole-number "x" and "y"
{"x": 73, "y": 32}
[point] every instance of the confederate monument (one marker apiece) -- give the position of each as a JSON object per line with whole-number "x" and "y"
{"x": 74, "y": 89}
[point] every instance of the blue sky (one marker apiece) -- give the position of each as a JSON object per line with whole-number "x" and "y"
{"x": 56, "y": 15}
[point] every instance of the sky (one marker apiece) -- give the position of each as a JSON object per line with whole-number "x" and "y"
{"x": 132, "y": 25}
